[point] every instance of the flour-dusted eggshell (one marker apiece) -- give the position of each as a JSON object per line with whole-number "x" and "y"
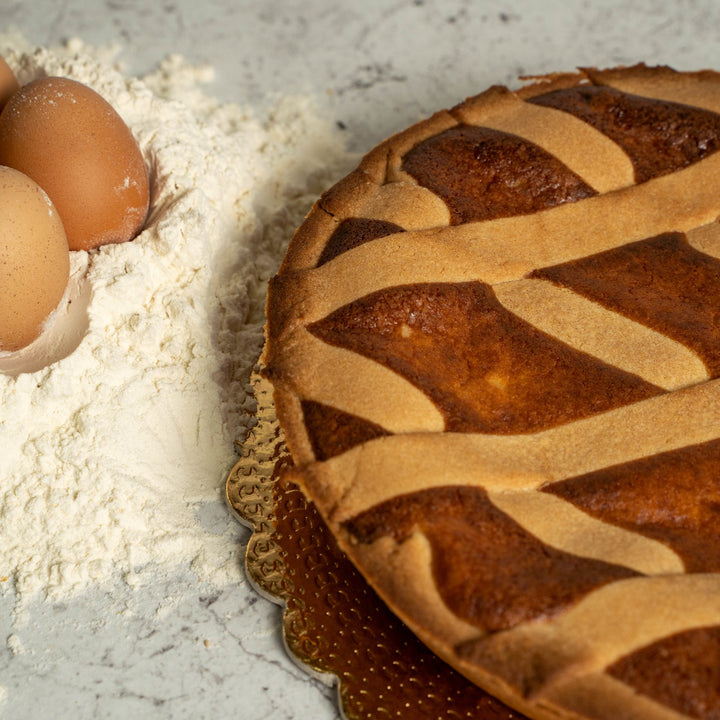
{"x": 73, "y": 143}
{"x": 34, "y": 259}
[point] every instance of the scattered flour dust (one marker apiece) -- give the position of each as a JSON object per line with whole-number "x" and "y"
{"x": 113, "y": 458}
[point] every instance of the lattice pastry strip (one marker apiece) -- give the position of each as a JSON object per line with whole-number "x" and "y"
{"x": 494, "y": 348}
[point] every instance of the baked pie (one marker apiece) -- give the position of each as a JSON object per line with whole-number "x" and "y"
{"x": 495, "y": 351}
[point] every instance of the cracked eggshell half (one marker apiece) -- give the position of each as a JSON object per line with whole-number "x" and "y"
{"x": 73, "y": 143}
{"x": 34, "y": 259}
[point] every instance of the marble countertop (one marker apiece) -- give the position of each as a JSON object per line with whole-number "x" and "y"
{"x": 181, "y": 649}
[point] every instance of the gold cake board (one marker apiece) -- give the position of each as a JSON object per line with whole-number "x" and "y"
{"x": 334, "y": 624}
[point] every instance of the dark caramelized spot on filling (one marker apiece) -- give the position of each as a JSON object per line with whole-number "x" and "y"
{"x": 488, "y": 569}
{"x": 486, "y": 369}
{"x": 332, "y": 431}
{"x": 672, "y": 497}
{"x": 660, "y": 137}
{"x": 662, "y": 282}
{"x": 681, "y": 671}
{"x": 483, "y": 174}
{"x": 352, "y": 232}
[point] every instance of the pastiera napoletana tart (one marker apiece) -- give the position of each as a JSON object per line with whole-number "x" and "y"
{"x": 495, "y": 350}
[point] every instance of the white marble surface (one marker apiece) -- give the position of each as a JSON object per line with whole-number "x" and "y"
{"x": 179, "y": 649}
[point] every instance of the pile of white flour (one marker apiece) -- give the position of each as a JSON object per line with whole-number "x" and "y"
{"x": 113, "y": 458}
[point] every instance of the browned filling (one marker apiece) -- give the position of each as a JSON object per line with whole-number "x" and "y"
{"x": 660, "y": 137}
{"x": 483, "y": 174}
{"x": 662, "y": 282}
{"x": 672, "y": 497}
{"x": 486, "y": 369}
{"x": 488, "y": 569}
{"x": 682, "y": 671}
{"x": 352, "y": 232}
{"x": 332, "y": 431}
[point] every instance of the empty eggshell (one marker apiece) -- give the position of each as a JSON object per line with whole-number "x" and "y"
{"x": 73, "y": 143}
{"x": 34, "y": 259}
{"x": 8, "y": 82}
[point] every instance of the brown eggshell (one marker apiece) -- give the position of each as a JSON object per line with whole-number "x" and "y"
{"x": 8, "y": 82}
{"x": 71, "y": 141}
{"x": 34, "y": 259}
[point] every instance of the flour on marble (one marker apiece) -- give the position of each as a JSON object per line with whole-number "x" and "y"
{"x": 14, "y": 644}
{"x": 113, "y": 459}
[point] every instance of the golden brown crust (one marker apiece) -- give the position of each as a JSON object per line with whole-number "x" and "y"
{"x": 453, "y": 346}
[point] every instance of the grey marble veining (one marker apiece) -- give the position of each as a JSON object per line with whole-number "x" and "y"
{"x": 178, "y": 649}
{"x": 173, "y": 650}
{"x": 382, "y": 64}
